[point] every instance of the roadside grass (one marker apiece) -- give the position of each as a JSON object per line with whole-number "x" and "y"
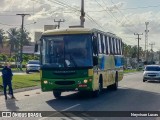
{"x": 23, "y": 81}
{"x": 30, "y": 80}
{"x": 16, "y": 69}
{"x": 130, "y": 71}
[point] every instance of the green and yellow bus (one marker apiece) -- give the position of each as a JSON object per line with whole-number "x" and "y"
{"x": 80, "y": 59}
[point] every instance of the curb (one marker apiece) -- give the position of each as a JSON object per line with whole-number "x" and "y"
{"x": 125, "y": 74}
{"x": 23, "y": 89}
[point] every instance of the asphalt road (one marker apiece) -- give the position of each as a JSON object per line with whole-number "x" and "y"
{"x": 132, "y": 95}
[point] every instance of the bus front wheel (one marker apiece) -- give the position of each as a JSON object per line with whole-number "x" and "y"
{"x": 97, "y": 92}
{"x": 57, "y": 94}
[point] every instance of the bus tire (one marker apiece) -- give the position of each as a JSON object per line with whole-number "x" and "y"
{"x": 57, "y": 94}
{"x": 97, "y": 92}
{"x": 115, "y": 85}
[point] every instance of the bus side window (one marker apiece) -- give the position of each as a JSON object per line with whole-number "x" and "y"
{"x": 95, "y": 45}
{"x": 113, "y": 46}
{"x": 116, "y": 46}
{"x": 102, "y": 43}
{"x": 110, "y": 45}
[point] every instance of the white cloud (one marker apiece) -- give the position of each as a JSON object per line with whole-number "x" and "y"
{"x": 112, "y": 20}
{"x": 115, "y": 7}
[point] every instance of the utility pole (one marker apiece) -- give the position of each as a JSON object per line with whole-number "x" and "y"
{"x": 138, "y": 46}
{"x": 21, "y": 42}
{"x": 82, "y": 19}
{"x": 151, "y": 44}
{"x": 59, "y": 22}
{"x": 146, "y": 41}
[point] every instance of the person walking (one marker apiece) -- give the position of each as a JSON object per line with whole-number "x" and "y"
{"x": 7, "y": 80}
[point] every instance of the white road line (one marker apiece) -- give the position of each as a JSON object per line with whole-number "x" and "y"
{"x": 71, "y": 107}
{"x": 61, "y": 110}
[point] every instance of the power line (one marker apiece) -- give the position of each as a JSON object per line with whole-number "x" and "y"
{"x": 88, "y": 16}
{"x": 91, "y": 19}
{"x": 143, "y": 7}
{"x": 111, "y": 14}
{"x": 121, "y": 12}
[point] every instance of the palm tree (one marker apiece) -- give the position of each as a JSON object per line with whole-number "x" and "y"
{"x": 13, "y": 40}
{"x": 2, "y": 36}
{"x": 25, "y": 36}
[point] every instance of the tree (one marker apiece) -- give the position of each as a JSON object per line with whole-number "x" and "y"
{"x": 13, "y": 40}
{"x": 2, "y": 36}
{"x": 25, "y": 36}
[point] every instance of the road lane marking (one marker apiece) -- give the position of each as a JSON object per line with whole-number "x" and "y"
{"x": 61, "y": 110}
{"x": 71, "y": 107}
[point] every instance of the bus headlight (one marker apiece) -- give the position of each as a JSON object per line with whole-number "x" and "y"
{"x": 45, "y": 82}
{"x": 85, "y": 81}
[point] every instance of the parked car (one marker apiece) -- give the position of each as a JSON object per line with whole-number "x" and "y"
{"x": 129, "y": 67}
{"x": 140, "y": 67}
{"x": 151, "y": 72}
{"x": 33, "y": 66}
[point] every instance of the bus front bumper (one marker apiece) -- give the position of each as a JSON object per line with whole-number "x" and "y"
{"x": 66, "y": 85}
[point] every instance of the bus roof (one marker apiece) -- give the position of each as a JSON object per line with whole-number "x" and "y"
{"x": 67, "y": 31}
{"x": 77, "y": 31}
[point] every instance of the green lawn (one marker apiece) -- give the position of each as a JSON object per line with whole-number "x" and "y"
{"x": 30, "y": 80}
{"x": 22, "y": 81}
{"x": 130, "y": 71}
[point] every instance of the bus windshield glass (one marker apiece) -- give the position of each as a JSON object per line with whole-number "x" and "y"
{"x": 67, "y": 50}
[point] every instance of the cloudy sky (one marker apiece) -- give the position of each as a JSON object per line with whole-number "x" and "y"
{"x": 122, "y": 17}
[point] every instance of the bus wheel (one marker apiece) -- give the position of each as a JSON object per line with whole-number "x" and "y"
{"x": 97, "y": 92}
{"x": 115, "y": 85}
{"x": 57, "y": 94}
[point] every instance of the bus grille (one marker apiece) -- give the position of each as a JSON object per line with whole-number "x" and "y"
{"x": 65, "y": 82}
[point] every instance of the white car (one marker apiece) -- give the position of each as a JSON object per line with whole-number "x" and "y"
{"x": 33, "y": 66}
{"x": 129, "y": 67}
{"x": 151, "y": 72}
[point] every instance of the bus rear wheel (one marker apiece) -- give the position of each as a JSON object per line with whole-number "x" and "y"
{"x": 57, "y": 94}
{"x": 115, "y": 85}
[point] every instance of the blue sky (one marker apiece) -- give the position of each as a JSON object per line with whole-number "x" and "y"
{"x": 117, "y": 16}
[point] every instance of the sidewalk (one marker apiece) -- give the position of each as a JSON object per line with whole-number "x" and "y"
{"x": 23, "y": 89}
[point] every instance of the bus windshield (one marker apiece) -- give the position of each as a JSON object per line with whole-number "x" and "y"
{"x": 67, "y": 50}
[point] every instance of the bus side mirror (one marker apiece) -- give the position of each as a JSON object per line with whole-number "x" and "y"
{"x": 36, "y": 48}
{"x": 95, "y": 60}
